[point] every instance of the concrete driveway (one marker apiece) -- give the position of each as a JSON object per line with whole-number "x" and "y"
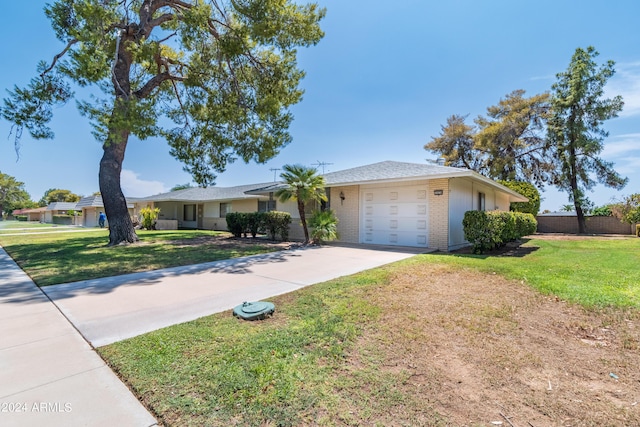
{"x": 112, "y": 309}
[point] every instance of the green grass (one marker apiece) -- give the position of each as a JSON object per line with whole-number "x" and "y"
{"x": 61, "y": 257}
{"x": 7, "y": 227}
{"x": 222, "y": 371}
{"x": 593, "y": 272}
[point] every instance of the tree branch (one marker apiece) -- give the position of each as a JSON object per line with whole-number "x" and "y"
{"x": 154, "y": 82}
{"x": 58, "y": 56}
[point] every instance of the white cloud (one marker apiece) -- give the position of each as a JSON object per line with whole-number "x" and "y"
{"x": 626, "y": 82}
{"x": 622, "y": 145}
{"x": 133, "y": 186}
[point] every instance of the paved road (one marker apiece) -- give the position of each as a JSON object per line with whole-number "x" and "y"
{"x": 115, "y": 308}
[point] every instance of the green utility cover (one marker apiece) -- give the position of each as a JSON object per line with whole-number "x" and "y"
{"x": 254, "y": 310}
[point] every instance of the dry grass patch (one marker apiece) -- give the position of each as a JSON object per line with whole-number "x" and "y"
{"x": 475, "y": 348}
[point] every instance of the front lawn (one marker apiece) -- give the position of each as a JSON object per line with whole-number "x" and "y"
{"x": 60, "y": 257}
{"x": 591, "y": 271}
{"x": 439, "y": 339}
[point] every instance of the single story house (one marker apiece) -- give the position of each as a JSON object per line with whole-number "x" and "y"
{"x": 386, "y": 203}
{"x": 91, "y": 206}
{"x": 34, "y": 214}
{"x": 59, "y": 209}
{"x": 204, "y": 208}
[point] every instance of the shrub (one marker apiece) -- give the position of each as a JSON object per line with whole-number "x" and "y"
{"x": 482, "y": 230}
{"x": 61, "y": 219}
{"x": 489, "y": 230}
{"x": 638, "y": 230}
{"x": 149, "y": 217}
{"x": 324, "y": 226}
{"x": 277, "y": 224}
{"x": 526, "y": 224}
{"x": 255, "y": 223}
{"x": 237, "y": 223}
{"x": 21, "y": 217}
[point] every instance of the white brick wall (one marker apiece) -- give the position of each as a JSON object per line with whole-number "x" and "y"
{"x": 348, "y": 212}
{"x": 439, "y": 215}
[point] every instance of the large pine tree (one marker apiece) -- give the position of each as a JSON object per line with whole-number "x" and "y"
{"x": 223, "y": 72}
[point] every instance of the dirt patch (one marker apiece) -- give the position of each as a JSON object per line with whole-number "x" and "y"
{"x": 480, "y": 350}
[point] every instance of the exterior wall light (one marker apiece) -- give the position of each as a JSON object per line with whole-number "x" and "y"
{"x": 342, "y": 197}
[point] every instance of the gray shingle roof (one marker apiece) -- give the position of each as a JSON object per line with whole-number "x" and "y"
{"x": 382, "y": 171}
{"x": 388, "y": 170}
{"x": 62, "y": 206}
{"x": 95, "y": 201}
{"x": 198, "y": 194}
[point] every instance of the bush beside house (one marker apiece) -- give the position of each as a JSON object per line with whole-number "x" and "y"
{"x": 274, "y": 223}
{"x": 494, "y": 229}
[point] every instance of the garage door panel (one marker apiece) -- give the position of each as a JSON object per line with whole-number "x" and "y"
{"x": 395, "y": 217}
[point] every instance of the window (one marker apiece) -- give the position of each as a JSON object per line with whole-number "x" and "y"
{"x": 266, "y": 205}
{"x": 189, "y": 213}
{"x": 225, "y": 208}
{"x": 481, "y": 204}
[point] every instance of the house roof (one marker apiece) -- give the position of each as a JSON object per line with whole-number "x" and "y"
{"x": 95, "y": 201}
{"x": 199, "y": 194}
{"x": 26, "y": 211}
{"x": 570, "y": 213}
{"x": 62, "y": 206}
{"x": 390, "y": 171}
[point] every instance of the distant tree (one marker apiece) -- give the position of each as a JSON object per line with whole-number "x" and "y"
{"x": 602, "y": 211}
{"x": 575, "y": 132}
{"x": 456, "y": 145}
{"x": 567, "y": 208}
{"x": 12, "y": 194}
{"x": 222, "y": 73}
{"x": 53, "y": 195}
{"x": 529, "y": 191}
{"x": 508, "y": 144}
{"x": 181, "y": 187}
{"x": 304, "y": 185}
{"x": 512, "y": 139}
{"x": 628, "y": 210}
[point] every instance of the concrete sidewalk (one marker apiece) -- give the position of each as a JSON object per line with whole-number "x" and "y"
{"x": 49, "y": 375}
{"x": 115, "y": 308}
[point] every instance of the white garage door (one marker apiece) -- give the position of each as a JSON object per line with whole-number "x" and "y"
{"x": 394, "y": 216}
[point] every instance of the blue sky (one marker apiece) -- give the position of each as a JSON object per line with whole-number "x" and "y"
{"x": 378, "y": 87}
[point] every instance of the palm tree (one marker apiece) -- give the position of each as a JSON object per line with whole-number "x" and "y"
{"x": 303, "y": 186}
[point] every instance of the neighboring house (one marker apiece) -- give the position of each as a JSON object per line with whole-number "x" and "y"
{"x": 35, "y": 214}
{"x": 58, "y": 208}
{"x": 204, "y": 208}
{"x": 407, "y": 204}
{"x": 386, "y": 203}
{"x": 91, "y": 206}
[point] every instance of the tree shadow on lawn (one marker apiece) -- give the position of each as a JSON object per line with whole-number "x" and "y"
{"x": 511, "y": 249}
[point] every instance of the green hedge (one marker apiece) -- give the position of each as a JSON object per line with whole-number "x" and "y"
{"x": 62, "y": 219}
{"x": 274, "y": 223}
{"x": 21, "y": 217}
{"x": 638, "y": 230}
{"x": 277, "y": 224}
{"x": 490, "y": 230}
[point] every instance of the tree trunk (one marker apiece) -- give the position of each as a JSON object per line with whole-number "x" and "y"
{"x": 303, "y": 220}
{"x": 120, "y": 226}
{"x": 575, "y": 191}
